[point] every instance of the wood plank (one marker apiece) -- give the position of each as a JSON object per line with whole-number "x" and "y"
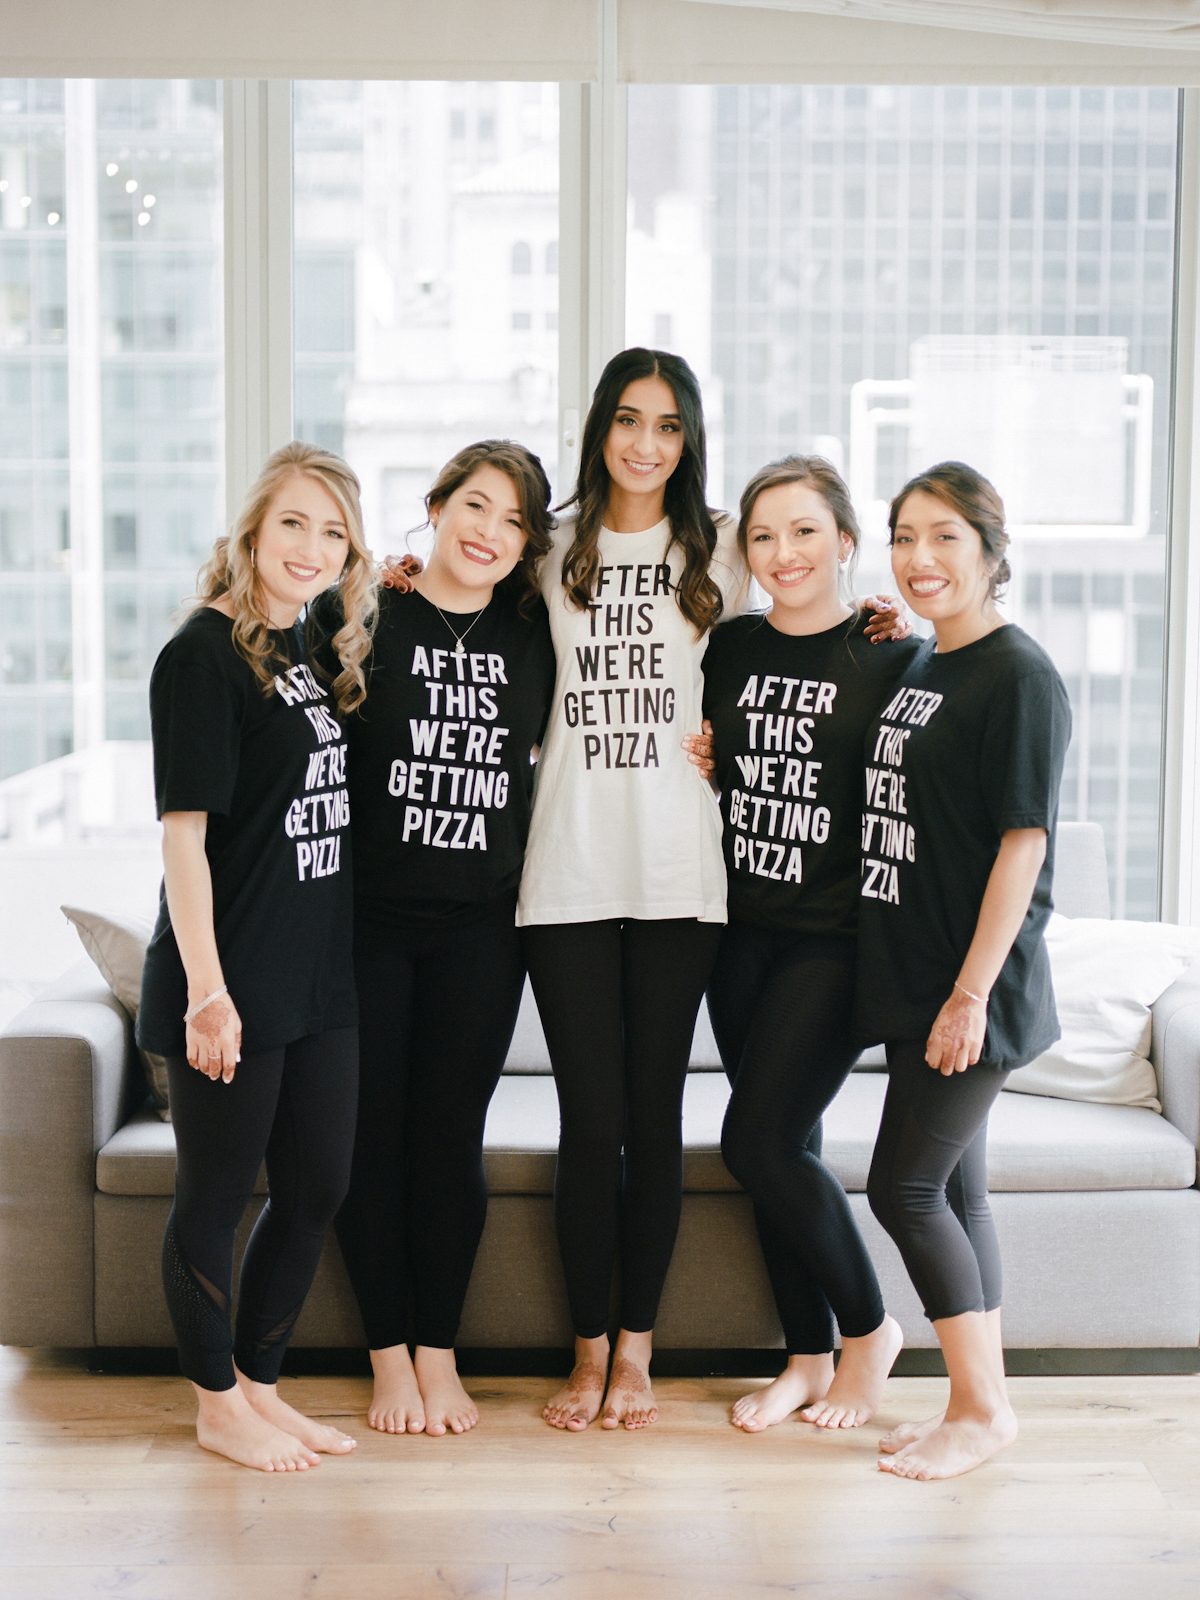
{"x": 254, "y": 1536}
{"x": 405, "y": 1581}
{"x": 850, "y": 1581}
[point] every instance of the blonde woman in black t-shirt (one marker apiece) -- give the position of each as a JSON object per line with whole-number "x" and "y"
{"x": 963, "y": 770}
{"x": 248, "y": 987}
{"x": 460, "y": 676}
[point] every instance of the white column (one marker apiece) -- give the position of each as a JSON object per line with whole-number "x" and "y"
{"x": 83, "y": 411}
{"x": 593, "y": 123}
{"x": 1180, "y": 895}
{"x": 258, "y": 277}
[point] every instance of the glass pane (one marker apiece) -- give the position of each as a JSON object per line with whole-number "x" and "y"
{"x": 426, "y": 287}
{"x": 124, "y": 303}
{"x": 993, "y": 267}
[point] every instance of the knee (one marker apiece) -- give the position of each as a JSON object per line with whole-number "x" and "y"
{"x": 902, "y": 1203}
{"x": 751, "y": 1150}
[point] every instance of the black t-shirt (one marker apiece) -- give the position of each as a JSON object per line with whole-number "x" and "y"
{"x": 270, "y": 771}
{"x": 789, "y": 715}
{"x": 439, "y": 754}
{"x": 971, "y": 744}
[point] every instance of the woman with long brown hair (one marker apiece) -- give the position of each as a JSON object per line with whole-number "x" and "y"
{"x": 623, "y": 895}
{"x": 248, "y": 988}
{"x": 460, "y": 674}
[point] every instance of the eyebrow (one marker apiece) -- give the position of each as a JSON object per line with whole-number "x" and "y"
{"x": 671, "y": 416}
{"x": 326, "y": 522}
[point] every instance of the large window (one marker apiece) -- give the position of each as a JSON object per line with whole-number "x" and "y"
{"x": 111, "y": 377}
{"x": 895, "y": 276}
{"x": 426, "y": 287}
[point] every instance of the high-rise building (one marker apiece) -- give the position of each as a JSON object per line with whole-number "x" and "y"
{"x": 841, "y": 231}
{"x": 111, "y": 433}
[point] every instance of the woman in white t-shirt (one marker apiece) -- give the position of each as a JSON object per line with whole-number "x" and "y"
{"x": 622, "y": 898}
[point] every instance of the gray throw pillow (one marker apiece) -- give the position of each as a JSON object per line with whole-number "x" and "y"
{"x": 117, "y": 944}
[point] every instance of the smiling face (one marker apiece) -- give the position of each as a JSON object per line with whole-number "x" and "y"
{"x": 301, "y": 547}
{"x": 645, "y": 441}
{"x": 938, "y": 561}
{"x": 479, "y": 536}
{"x": 793, "y": 548}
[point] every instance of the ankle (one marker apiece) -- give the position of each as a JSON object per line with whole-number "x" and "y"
{"x": 635, "y": 1347}
{"x": 435, "y": 1358}
{"x": 592, "y": 1352}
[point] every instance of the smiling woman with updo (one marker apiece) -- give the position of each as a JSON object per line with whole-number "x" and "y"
{"x": 963, "y": 767}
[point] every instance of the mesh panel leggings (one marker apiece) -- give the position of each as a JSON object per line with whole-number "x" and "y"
{"x": 928, "y": 1181}
{"x": 618, "y": 1002}
{"x": 436, "y": 1015}
{"x": 781, "y": 1010}
{"x": 295, "y": 1107}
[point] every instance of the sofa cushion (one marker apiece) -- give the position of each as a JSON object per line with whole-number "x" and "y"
{"x": 1034, "y": 1144}
{"x": 117, "y": 944}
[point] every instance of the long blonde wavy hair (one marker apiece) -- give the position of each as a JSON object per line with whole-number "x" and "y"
{"x": 230, "y": 570}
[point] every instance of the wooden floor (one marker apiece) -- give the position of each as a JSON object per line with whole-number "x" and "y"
{"x": 105, "y": 1492}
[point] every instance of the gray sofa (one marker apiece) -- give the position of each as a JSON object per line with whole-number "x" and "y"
{"x": 1097, "y": 1208}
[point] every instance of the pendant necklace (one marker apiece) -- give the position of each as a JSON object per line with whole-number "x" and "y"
{"x": 459, "y": 648}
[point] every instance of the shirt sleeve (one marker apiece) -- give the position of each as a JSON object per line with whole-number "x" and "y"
{"x": 547, "y": 674}
{"x": 1025, "y": 747}
{"x": 196, "y": 714}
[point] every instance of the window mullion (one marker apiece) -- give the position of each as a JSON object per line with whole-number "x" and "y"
{"x": 1180, "y": 875}
{"x": 258, "y": 277}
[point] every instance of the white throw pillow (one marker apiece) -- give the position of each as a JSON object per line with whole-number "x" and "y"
{"x": 1106, "y": 976}
{"x": 117, "y": 944}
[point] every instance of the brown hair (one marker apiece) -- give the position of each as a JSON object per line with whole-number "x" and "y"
{"x": 815, "y": 473}
{"x": 692, "y": 526}
{"x": 527, "y": 476}
{"x": 975, "y": 500}
{"x": 230, "y": 570}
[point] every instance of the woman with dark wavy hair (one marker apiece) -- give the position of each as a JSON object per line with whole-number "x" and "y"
{"x": 460, "y": 675}
{"x": 623, "y": 896}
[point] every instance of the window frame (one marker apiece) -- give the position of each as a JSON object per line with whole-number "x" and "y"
{"x": 591, "y": 270}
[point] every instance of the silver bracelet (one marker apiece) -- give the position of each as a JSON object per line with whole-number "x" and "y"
{"x": 207, "y": 1001}
{"x": 980, "y": 999}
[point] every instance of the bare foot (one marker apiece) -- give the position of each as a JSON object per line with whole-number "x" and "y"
{"x": 803, "y": 1380}
{"x": 577, "y": 1403}
{"x": 228, "y": 1425}
{"x": 264, "y": 1399}
{"x": 906, "y": 1433}
{"x": 447, "y": 1403}
{"x": 630, "y": 1398}
{"x": 955, "y": 1447}
{"x": 857, "y": 1388}
{"x": 396, "y": 1404}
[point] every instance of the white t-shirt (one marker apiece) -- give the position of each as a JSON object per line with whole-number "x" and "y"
{"x": 623, "y": 824}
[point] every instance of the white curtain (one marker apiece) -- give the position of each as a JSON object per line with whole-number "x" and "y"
{"x": 1146, "y": 24}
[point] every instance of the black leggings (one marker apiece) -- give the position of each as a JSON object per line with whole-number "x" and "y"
{"x": 437, "y": 1008}
{"x": 295, "y": 1107}
{"x": 781, "y": 1011}
{"x": 928, "y": 1180}
{"x": 618, "y": 1002}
